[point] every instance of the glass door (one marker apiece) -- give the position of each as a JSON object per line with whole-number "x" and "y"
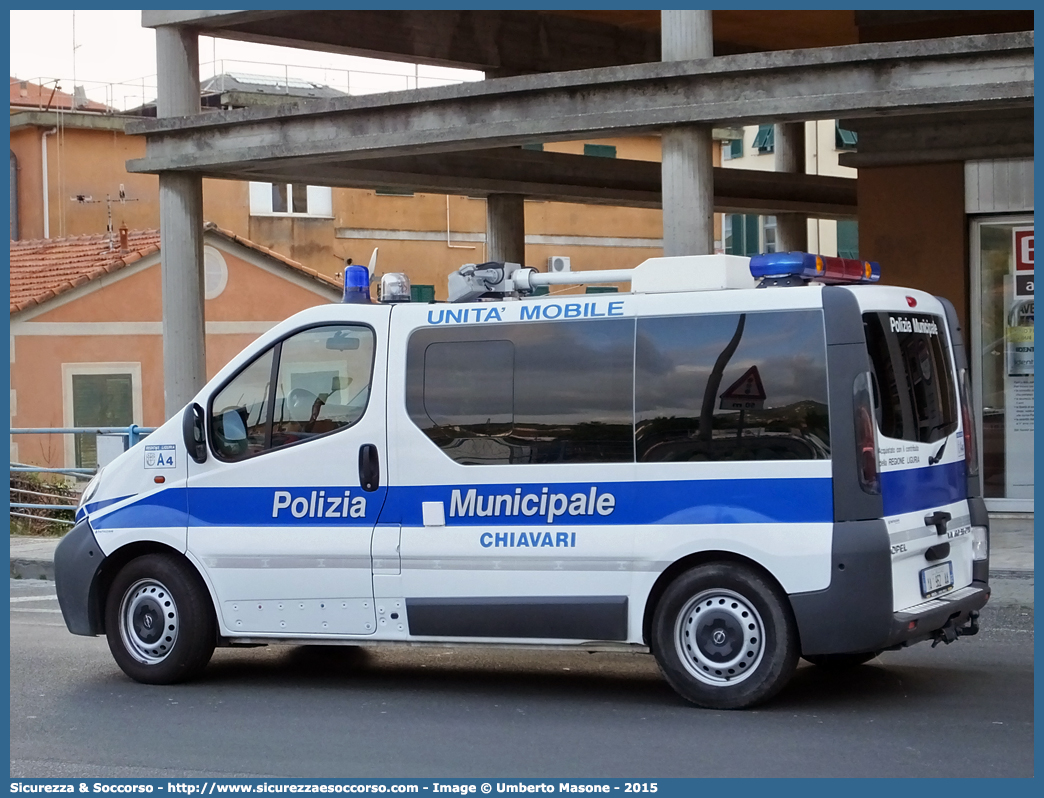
{"x": 1002, "y": 357}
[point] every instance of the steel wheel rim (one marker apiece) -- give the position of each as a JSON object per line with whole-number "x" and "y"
{"x": 719, "y": 637}
{"x": 148, "y": 621}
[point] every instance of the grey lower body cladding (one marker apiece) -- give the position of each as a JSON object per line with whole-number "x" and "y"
{"x": 547, "y": 617}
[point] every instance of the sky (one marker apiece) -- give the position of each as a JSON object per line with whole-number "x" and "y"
{"x": 111, "y": 47}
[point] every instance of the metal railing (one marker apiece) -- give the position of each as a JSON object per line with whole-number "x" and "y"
{"x": 133, "y": 435}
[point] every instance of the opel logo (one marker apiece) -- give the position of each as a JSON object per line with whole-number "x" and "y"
{"x": 718, "y": 637}
{"x": 147, "y": 620}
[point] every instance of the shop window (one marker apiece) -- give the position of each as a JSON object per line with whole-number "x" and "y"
{"x": 290, "y": 199}
{"x": 844, "y": 139}
{"x": 600, "y": 150}
{"x": 765, "y": 140}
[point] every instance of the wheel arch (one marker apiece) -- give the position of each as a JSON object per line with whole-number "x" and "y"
{"x": 689, "y": 561}
{"x": 115, "y": 562}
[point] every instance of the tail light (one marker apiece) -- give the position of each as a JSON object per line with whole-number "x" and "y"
{"x": 865, "y": 435}
{"x": 971, "y": 452}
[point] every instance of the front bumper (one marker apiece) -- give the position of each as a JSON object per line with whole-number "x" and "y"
{"x": 77, "y": 563}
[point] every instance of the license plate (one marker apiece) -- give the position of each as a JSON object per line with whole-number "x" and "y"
{"x": 937, "y": 579}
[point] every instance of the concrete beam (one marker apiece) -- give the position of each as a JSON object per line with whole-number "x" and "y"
{"x": 504, "y": 42}
{"x": 910, "y": 77}
{"x": 561, "y": 177}
{"x": 938, "y": 138}
{"x": 206, "y": 19}
{"x": 68, "y": 119}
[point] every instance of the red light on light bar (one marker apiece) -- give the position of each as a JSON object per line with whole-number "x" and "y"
{"x": 911, "y": 301}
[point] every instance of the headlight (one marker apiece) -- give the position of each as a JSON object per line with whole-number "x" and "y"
{"x": 90, "y": 490}
{"x": 980, "y": 543}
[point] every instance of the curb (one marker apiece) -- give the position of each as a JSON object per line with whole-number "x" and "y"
{"x": 32, "y": 569}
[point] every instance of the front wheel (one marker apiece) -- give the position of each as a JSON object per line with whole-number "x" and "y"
{"x": 159, "y": 621}
{"x": 724, "y": 637}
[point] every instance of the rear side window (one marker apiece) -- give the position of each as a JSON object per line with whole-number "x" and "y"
{"x": 746, "y": 386}
{"x": 555, "y": 392}
{"x": 916, "y": 398}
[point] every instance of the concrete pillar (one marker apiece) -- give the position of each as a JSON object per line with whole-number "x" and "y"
{"x": 506, "y": 228}
{"x": 789, "y": 149}
{"x": 687, "y": 165}
{"x": 181, "y": 229}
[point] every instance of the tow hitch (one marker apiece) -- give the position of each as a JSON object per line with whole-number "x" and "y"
{"x": 952, "y": 631}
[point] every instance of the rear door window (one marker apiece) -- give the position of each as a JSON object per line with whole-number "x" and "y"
{"x": 916, "y": 397}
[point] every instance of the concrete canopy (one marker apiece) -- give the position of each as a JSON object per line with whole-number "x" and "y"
{"x": 338, "y": 137}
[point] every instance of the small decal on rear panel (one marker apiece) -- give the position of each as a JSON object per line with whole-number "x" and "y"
{"x": 160, "y": 455}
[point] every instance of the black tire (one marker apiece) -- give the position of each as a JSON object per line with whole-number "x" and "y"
{"x": 147, "y": 588}
{"x": 841, "y": 662}
{"x": 699, "y": 621}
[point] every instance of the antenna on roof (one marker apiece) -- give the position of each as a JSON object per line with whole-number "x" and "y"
{"x": 122, "y": 198}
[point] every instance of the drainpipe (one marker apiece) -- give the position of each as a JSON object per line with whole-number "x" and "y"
{"x": 43, "y": 162}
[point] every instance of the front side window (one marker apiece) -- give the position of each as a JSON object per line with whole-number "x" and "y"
{"x": 916, "y": 397}
{"x": 313, "y": 383}
{"x": 747, "y": 386}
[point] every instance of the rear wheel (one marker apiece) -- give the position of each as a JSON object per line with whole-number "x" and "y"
{"x": 841, "y": 662}
{"x": 724, "y": 637}
{"x": 159, "y": 621}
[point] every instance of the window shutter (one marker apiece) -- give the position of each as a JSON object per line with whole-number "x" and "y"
{"x": 765, "y": 141}
{"x": 844, "y": 139}
{"x": 736, "y": 148}
{"x": 751, "y": 244}
{"x": 600, "y": 150}
{"x": 848, "y": 238}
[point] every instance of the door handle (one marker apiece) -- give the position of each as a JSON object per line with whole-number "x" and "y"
{"x": 939, "y": 520}
{"x": 369, "y": 467}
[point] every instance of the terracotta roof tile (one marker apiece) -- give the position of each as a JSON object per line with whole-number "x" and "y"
{"x": 42, "y": 269}
{"x": 25, "y": 94}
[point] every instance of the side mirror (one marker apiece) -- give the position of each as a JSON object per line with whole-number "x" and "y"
{"x": 192, "y": 430}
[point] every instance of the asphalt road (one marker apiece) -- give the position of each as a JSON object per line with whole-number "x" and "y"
{"x": 959, "y": 710}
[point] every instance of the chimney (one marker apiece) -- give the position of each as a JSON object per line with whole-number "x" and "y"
{"x": 124, "y": 242}
{"x": 23, "y": 89}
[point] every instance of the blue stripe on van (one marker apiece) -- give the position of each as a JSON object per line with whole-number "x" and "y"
{"x": 719, "y": 501}
{"x": 923, "y": 488}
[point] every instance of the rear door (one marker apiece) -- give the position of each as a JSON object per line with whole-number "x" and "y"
{"x": 920, "y": 449}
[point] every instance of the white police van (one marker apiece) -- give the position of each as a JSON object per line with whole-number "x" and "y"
{"x": 727, "y": 476}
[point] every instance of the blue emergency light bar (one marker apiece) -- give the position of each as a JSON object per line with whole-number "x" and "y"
{"x": 356, "y": 285}
{"x": 822, "y": 268}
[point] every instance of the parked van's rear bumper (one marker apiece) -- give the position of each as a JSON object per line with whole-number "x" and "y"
{"x": 855, "y": 613}
{"x": 953, "y": 610}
